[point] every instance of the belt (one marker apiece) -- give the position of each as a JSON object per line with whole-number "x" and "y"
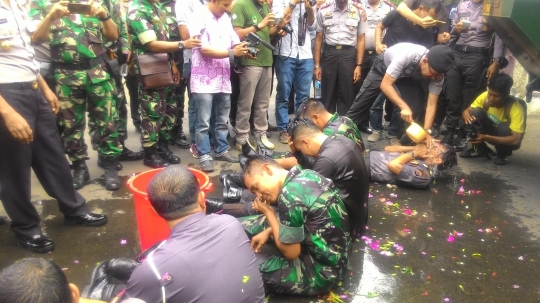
{"x": 20, "y": 85}
{"x": 471, "y": 49}
{"x": 370, "y": 53}
{"x": 339, "y": 46}
{"x": 80, "y": 65}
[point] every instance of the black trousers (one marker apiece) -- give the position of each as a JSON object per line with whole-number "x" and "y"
{"x": 44, "y": 155}
{"x": 337, "y": 87}
{"x": 414, "y": 92}
{"x": 132, "y": 84}
{"x": 371, "y": 88}
{"x": 464, "y": 82}
{"x": 486, "y": 126}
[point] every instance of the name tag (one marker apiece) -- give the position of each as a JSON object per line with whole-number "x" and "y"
{"x": 3, "y": 21}
{"x": 351, "y": 22}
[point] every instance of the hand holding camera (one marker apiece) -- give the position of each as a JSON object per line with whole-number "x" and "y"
{"x": 268, "y": 20}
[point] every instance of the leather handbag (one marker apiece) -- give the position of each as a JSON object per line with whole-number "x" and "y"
{"x": 154, "y": 71}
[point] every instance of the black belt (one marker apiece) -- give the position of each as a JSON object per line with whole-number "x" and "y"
{"x": 370, "y": 53}
{"x": 80, "y": 65}
{"x": 20, "y": 85}
{"x": 471, "y": 49}
{"x": 339, "y": 46}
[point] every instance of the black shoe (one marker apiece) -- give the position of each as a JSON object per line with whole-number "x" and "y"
{"x": 272, "y": 128}
{"x": 448, "y": 137}
{"x": 366, "y": 130}
{"x": 166, "y": 154}
{"x": 227, "y": 157}
{"x": 89, "y": 219}
{"x": 236, "y": 178}
{"x": 180, "y": 141}
{"x": 152, "y": 159}
{"x": 37, "y": 243}
{"x": 81, "y": 175}
{"x": 248, "y": 150}
{"x": 213, "y": 205}
{"x": 231, "y": 192}
{"x": 207, "y": 166}
{"x": 110, "y": 164}
{"x": 262, "y": 150}
{"x": 477, "y": 151}
{"x": 460, "y": 144}
{"x": 243, "y": 161}
{"x": 500, "y": 160}
{"x": 119, "y": 166}
{"x": 129, "y": 155}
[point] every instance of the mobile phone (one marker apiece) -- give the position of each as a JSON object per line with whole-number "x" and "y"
{"x": 79, "y": 8}
{"x": 276, "y": 21}
{"x": 466, "y": 24}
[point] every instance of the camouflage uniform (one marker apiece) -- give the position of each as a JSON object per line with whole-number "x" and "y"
{"x": 343, "y": 126}
{"x": 176, "y": 96}
{"x": 310, "y": 213}
{"x": 147, "y": 22}
{"x": 78, "y": 38}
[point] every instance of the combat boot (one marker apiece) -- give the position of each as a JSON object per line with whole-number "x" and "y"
{"x": 213, "y": 206}
{"x": 180, "y": 139}
{"x": 81, "y": 175}
{"x": 112, "y": 181}
{"x": 233, "y": 186}
{"x": 166, "y": 154}
{"x": 129, "y": 155}
{"x": 236, "y": 178}
{"x": 152, "y": 158}
{"x": 449, "y": 137}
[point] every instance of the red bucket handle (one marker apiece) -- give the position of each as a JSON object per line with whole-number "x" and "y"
{"x": 208, "y": 187}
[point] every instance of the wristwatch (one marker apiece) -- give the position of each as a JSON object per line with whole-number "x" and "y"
{"x": 256, "y": 26}
{"x": 358, "y": 64}
{"x": 106, "y": 18}
{"x": 181, "y": 45}
{"x": 292, "y": 5}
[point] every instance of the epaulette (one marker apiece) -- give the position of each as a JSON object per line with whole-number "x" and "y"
{"x": 327, "y": 5}
{"x": 358, "y": 6}
{"x": 389, "y": 3}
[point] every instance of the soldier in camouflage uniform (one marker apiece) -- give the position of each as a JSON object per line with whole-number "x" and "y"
{"x": 312, "y": 231}
{"x": 118, "y": 52}
{"x": 77, "y": 45}
{"x": 176, "y": 94}
{"x": 148, "y": 27}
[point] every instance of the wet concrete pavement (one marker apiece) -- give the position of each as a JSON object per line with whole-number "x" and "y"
{"x": 472, "y": 237}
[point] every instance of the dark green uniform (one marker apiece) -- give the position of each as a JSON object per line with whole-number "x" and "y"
{"x": 310, "y": 213}
{"x": 78, "y": 39}
{"x": 147, "y": 22}
{"x": 343, "y": 126}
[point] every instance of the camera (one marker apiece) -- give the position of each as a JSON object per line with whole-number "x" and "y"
{"x": 312, "y": 2}
{"x": 253, "y": 41}
{"x": 288, "y": 29}
{"x": 471, "y": 131}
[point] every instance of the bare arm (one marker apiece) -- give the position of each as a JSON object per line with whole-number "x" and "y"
{"x": 379, "y": 46}
{"x": 41, "y": 34}
{"x": 396, "y": 165}
{"x": 184, "y": 32}
{"x": 513, "y": 139}
{"x": 287, "y": 163}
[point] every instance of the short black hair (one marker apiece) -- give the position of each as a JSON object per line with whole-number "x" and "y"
{"x": 255, "y": 164}
{"x": 174, "y": 192}
{"x": 308, "y": 107}
{"x": 431, "y": 4}
{"x": 300, "y": 127}
{"x": 501, "y": 83}
{"x": 448, "y": 157}
{"x": 34, "y": 280}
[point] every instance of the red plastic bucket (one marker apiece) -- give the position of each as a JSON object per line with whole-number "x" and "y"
{"x": 153, "y": 228}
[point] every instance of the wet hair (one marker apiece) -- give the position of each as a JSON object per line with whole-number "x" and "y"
{"x": 309, "y": 107}
{"x": 301, "y": 127}
{"x": 174, "y": 192}
{"x": 34, "y": 280}
{"x": 501, "y": 83}
{"x": 431, "y": 4}
{"x": 254, "y": 164}
{"x": 448, "y": 157}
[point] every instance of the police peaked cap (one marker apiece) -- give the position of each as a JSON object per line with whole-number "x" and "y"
{"x": 440, "y": 58}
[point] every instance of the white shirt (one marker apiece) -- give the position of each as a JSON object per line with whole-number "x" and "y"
{"x": 285, "y": 47}
{"x": 185, "y": 10}
{"x": 374, "y": 17}
{"x": 398, "y": 57}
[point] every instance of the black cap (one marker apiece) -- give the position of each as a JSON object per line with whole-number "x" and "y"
{"x": 440, "y": 58}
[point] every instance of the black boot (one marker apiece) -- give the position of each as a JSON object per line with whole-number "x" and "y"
{"x": 112, "y": 181}
{"x": 119, "y": 166}
{"x": 243, "y": 161}
{"x": 449, "y": 137}
{"x": 248, "y": 150}
{"x": 180, "y": 139}
{"x": 460, "y": 143}
{"x": 232, "y": 191}
{"x": 166, "y": 154}
{"x": 263, "y": 150}
{"x": 129, "y": 155}
{"x": 81, "y": 175}
{"x": 435, "y": 130}
{"x": 213, "y": 205}
{"x": 152, "y": 158}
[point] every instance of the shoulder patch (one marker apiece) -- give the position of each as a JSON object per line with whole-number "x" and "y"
{"x": 327, "y": 5}
{"x": 234, "y": 16}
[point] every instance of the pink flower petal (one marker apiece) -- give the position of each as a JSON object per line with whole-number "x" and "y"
{"x": 406, "y": 230}
{"x": 516, "y": 286}
{"x": 450, "y": 239}
{"x": 462, "y": 180}
{"x": 123, "y": 242}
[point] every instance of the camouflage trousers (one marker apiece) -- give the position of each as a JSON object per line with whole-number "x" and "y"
{"x": 158, "y": 113}
{"x": 99, "y": 100}
{"x": 282, "y": 276}
{"x": 121, "y": 123}
{"x": 178, "y": 97}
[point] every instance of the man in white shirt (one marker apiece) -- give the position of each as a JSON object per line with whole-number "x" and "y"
{"x": 294, "y": 59}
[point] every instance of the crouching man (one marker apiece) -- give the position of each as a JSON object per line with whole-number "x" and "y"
{"x": 497, "y": 118}
{"x": 310, "y": 228}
